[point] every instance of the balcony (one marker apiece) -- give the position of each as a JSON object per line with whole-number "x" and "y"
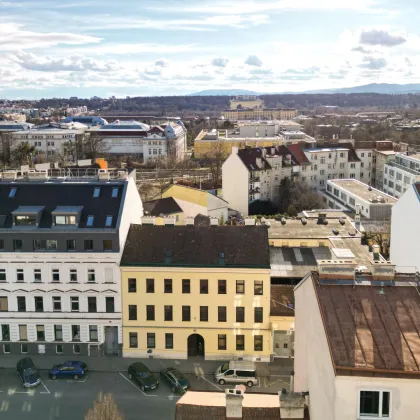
{"x": 254, "y": 185}
{"x": 403, "y": 168}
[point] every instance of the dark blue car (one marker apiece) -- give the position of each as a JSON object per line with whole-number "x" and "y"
{"x": 71, "y": 369}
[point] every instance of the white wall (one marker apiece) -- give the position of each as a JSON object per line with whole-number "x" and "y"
{"x": 313, "y": 366}
{"x": 235, "y": 183}
{"x": 404, "y": 396}
{"x": 217, "y": 207}
{"x": 405, "y": 231}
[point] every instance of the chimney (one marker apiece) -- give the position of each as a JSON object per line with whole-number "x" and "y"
{"x": 263, "y": 152}
{"x": 273, "y": 150}
{"x": 292, "y": 406}
{"x": 376, "y": 252}
{"x": 189, "y": 221}
{"x": 249, "y": 221}
{"x": 235, "y": 150}
{"x": 169, "y": 221}
{"x": 214, "y": 221}
{"x": 357, "y": 217}
{"x": 258, "y": 162}
{"x": 234, "y": 398}
{"x": 148, "y": 220}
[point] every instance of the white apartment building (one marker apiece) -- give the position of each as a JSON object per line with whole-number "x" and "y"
{"x": 268, "y": 128}
{"x": 353, "y": 195}
{"x": 405, "y": 230}
{"x": 365, "y": 155}
{"x": 401, "y": 173}
{"x": 61, "y": 241}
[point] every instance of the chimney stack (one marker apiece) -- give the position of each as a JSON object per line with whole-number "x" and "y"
{"x": 148, "y": 220}
{"x": 234, "y": 399}
{"x": 214, "y": 221}
{"x": 376, "y": 252}
{"x": 292, "y": 406}
{"x": 189, "y": 221}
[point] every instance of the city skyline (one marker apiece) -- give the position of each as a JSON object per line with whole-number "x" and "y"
{"x": 179, "y": 47}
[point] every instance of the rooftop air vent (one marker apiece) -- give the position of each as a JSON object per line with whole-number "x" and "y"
{"x": 304, "y": 221}
{"x": 342, "y": 221}
{"x": 335, "y": 231}
{"x": 103, "y": 175}
{"x": 283, "y": 221}
{"x": 38, "y": 175}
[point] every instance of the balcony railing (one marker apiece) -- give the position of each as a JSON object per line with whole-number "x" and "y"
{"x": 403, "y": 168}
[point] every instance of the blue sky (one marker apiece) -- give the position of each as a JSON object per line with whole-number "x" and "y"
{"x": 174, "y": 47}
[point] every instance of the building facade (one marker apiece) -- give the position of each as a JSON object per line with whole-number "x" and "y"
{"x": 246, "y": 101}
{"x": 259, "y": 114}
{"x": 170, "y": 276}
{"x": 61, "y": 243}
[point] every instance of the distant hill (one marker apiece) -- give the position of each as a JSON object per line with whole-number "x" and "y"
{"x": 385, "y": 88}
{"x": 223, "y": 92}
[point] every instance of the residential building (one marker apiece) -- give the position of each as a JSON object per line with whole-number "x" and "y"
{"x": 89, "y": 120}
{"x": 61, "y": 241}
{"x": 351, "y": 194}
{"x": 246, "y": 101}
{"x": 356, "y": 341}
{"x": 383, "y": 153}
{"x": 266, "y": 128}
{"x": 193, "y": 201}
{"x": 365, "y": 151}
{"x": 141, "y": 140}
{"x": 236, "y": 404}
{"x": 405, "y": 230}
{"x": 259, "y": 114}
{"x": 170, "y": 274}
{"x": 401, "y": 173}
{"x": 254, "y": 174}
{"x": 164, "y": 207}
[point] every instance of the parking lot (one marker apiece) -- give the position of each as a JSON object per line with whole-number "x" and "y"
{"x": 69, "y": 399}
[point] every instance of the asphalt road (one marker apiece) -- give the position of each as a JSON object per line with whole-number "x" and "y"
{"x": 70, "y": 399}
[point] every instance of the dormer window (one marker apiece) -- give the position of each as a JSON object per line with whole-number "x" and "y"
{"x": 12, "y": 192}
{"x": 90, "y": 220}
{"x": 96, "y": 192}
{"x": 114, "y": 192}
{"x": 108, "y": 222}
{"x": 66, "y": 216}
{"x": 27, "y": 216}
{"x": 65, "y": 220}
{"x": 25, "y": 220}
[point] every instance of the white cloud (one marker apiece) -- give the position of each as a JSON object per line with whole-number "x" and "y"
{"x": 381, "y": 37}
{"x": 253, "y": 60}
{"x": 373, "y": 63}
{"x": 161, "y": 63}
{"x": 220, "y": 62}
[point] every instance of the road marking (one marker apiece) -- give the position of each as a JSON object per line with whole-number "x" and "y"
{"x": 172, "y": 396}
{"x": 48, "y": 391}
{"x": 135, "y": 386}
{"x": 218, "y": 387}
{"x": 266, "y": 385}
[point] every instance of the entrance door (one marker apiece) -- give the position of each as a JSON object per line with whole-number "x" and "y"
{"x": 111, "y": 341}
{"x": 195, "y": 345}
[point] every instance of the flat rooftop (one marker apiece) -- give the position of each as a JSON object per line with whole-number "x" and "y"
{"x": 361, "y": 190}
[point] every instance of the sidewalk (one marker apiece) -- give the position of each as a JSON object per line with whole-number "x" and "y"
{"x": 196, "y": 366}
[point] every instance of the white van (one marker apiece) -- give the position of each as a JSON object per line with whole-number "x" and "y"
{"x": 237, "y": 372}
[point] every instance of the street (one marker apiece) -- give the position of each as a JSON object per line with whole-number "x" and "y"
{"x": 70, "y": 399}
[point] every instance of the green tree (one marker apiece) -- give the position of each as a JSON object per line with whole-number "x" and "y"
{"x": 22, "y": 153}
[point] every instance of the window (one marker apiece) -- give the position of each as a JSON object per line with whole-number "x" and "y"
{"x": 132, "y": 312}
{"x": 71, "y": 245}
{"x": 258, "y": 314}
{"x": 90, "y": 220}
{"x": 258, "y": 287}
{"x": 258, "y": 343}
{"x": 204, "y": 313}
{"x": 45, "y": 245}
{"x": 21, "y": 303}
{"x": 37, "y": 275}
{"x": 4, "y": 305}
{"x": 25, "y": 220}
{"x": 107, "y": 244}
{"x": 240, "y": 286}
{"x": 56, "y": 303}
{"x": 74, "y": 303}
{"x": 352, "y": 176}
{"x": 109, "y": 305}
{"x": 221, "y": 313}
{"x": 39, "y": 304}
{"x": 91, "y": 304}
{"x": 168, "y": 313}
{"x": 5, "y": 332}
{"x": 150, "y": 312}
{"x": 88, "y": 245}
{"x": 58, "y": 333}
{"x": 204, "y": 287}
{"x": 150, "y": 285}
{"x": 133, "y": 340}
{"x": 65, "y": 220}
{"x": 76, "y": 348}
{"x": 151, "y": 340}
{"x": 169, "y": 341}
{"x": 2, "y": 275}
{"x": 240, "y": 314}
{"x": 108, "y": 221}
{"x": 186, "y": 313}
{"x": 186, "y": 286}
{"x": 91, "y": 275}
{"x": 132, "y": 285}
{"x": 23, "y": 333}
{"x": 93, "y": 333}
{"x": 240, "y": 342}
{"x": 59, "y": 349}
{"x": 114, "y": 192}
{"x": 56, "y": 275}
{"x": 221, "y": 342}
{"x": 19, "y": 275}
{"x": 24, "y": 348}
{"x": 40, "y": 333}
{"x": 12, "y": 192}
{"x": 6, "y": 348}
{"x": 75, "y": 332}
{"x": 374, "y": 404}
{"x": 96, "y": 192}
{"x": 168, "y": 286}
{"x": 221, "y": 287}
{"x": 73, "y": 275}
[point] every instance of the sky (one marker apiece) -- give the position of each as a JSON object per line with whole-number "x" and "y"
{"x": 51, "y": 48}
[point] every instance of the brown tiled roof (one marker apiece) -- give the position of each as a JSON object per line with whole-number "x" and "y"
{"x": 197, "y": 246}
{"x": 364, "y": 145}
{"x": 384, "y": 145}
{"x": 371, "y": 330}
{"x": 298, "y": 155}
{"x": 281, "y": 297}
{"x": 249, "y": 158}
{"x": 163, "y": 206}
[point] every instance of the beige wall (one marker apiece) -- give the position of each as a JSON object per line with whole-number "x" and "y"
{"x": 300, "y": 242}
{"x": 209, "y": 330}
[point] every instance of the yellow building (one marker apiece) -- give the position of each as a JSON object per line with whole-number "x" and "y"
{"x": 259, "y": 114}
{"x": 191, "y": 290}
{"x": 246, "y": 101}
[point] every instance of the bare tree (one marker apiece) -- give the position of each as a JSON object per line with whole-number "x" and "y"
{"x": 379, "y": 233}
{"x": 104, "y": 408}
{"x": 94, "y": 146}
{"x": 214, "y": 160}
{"x": 7, "y": 143}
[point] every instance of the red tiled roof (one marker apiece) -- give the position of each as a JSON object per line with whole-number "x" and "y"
{"x": 371, "y": 329}
{"x": 298, "y": 154}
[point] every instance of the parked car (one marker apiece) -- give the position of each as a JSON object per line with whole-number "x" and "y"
{"x": 237, "y": 372}
{"x": 141, "y": 374}
{"x": 28, "y": 373}
{"x": 70, "y": 369}
{"x": 176, "y": 380}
